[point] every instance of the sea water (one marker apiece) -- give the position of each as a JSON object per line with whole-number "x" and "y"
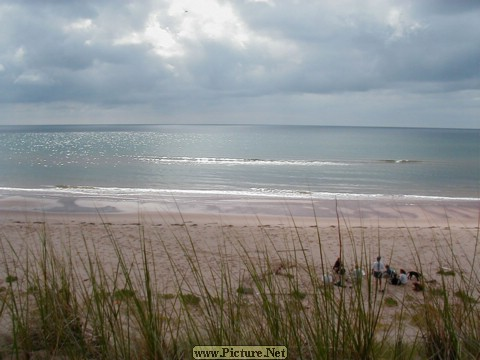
{"x": 240, "y": 160}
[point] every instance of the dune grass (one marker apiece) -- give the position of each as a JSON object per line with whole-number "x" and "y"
{"x": 52, "y": 307}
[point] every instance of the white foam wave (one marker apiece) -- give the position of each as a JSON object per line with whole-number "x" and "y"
{"x": 158, "y": 194}
{"x": 399, "y": 161}
{"x": 236, "y": 161}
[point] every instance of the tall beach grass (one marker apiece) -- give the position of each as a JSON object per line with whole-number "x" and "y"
{"x": 252, "y": 291}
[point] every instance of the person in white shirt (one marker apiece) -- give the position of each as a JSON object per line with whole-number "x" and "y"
{"x": 357, "y": 275}
{"x": 378, "y": 268}
{"x": 403, "y": 277}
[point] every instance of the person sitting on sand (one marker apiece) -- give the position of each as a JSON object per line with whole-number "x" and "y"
{"x": 337, "y": 266}
{"x": 403, "y": 277}
{"x": 389, "y": 272}
{"x": 327, "y": 278}
{"x": 395, "y": 280}
{"x": 378, "y": 268}
{"x": 357, "y": 274}
{"x": 340, "y": 277}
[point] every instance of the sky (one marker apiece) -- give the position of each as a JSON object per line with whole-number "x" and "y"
{"x": 330, "y": 62}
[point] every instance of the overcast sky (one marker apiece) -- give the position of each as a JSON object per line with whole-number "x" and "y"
{"x": 329, "y": 62}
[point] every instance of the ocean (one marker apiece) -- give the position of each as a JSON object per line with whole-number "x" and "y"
{"x": 313, "y": 162}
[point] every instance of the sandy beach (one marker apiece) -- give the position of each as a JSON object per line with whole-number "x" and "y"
{"x": 392, "y": 228}
{"x": 280, "y": 238}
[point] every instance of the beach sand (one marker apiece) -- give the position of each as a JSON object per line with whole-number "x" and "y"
{"x": 399, "y": 231}
{"x": 290, "y": 233}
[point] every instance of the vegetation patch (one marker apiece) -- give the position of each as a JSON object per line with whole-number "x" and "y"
{"x": 123, "y": 294}
{"x": 242, "y": 290}
{"x": 298, "y": 295}
{"x": 10, "y": 279}
{"x": 446, "y": 272}
{"x": 437, "y": 292}
{"x": 466, "y": 298}
{"x": 390, "y": 301}
{"x": 189, "y": 299}
{"x": 167, "y": 296}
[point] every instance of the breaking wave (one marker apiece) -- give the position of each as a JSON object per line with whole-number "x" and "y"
{"x": 187, "y": 160}
{"x": 235, "y": 161}
{"x": 149, "y": 194}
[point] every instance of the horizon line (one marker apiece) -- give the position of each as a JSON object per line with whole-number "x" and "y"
{"x": 234, "y": 124}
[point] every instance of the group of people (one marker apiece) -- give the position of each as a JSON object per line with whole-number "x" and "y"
{"x": 340, "y": 273}
{"x": 381, "y": 271}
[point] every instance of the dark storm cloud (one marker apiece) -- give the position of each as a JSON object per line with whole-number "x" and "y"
{"x": 180, "y": 58}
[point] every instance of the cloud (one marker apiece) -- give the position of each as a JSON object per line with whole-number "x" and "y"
{"x": 164, "y": 60}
